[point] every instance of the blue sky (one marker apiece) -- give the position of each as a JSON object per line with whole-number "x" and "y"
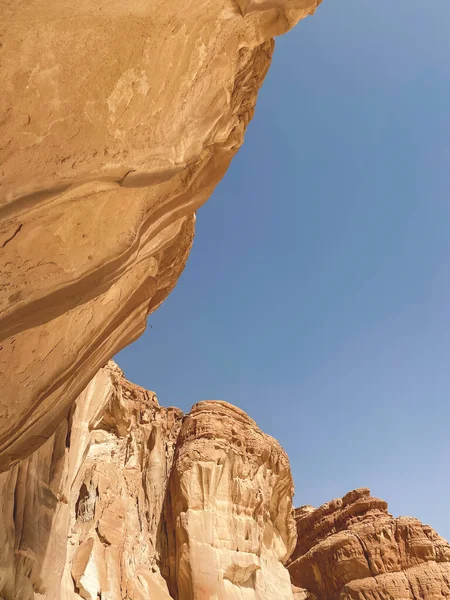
{"x": 317, "y": 293}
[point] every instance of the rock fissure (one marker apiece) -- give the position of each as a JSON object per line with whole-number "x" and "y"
{"x": 366, "y": 554}
{"x": 9, "y": 239}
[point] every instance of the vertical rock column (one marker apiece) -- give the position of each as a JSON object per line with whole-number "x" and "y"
{"x": 228, "y": 512}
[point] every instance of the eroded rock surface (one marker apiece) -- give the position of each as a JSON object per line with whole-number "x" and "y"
{"x": 127, "y": 500}
{"x": 229, "y": 509}
{"x": 131, "y": 500}
{"x": 117, "y": 121}
{"x": 80, "y": 516}
{"x": 353, "y": 549}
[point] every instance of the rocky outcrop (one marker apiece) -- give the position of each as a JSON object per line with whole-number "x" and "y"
{"x": 229, "y": 509}
{"x": 353, "y": 549}
{"x": 118, "y": 120}
{"x": 128, "y": 500}
{"x": 80, "y": 516}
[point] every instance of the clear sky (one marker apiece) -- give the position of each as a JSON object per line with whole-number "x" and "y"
{"x": 317, "y": 293}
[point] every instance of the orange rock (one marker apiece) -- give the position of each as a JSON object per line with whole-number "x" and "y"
{"x": 353, "y": 549}
{"x": 118, "y": 121}
{"x": 130, "y": 499}
{"x": 229, "y": 510}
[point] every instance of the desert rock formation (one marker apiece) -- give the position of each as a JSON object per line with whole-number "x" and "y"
{"x": 230, "y": 509}
{"x": 353, "y": 549}
{"x": 118, "y": 119}
{"x": 128, "y": 500}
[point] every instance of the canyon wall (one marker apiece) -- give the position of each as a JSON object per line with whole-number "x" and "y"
{"x": 118, "y": 119}
{"x": 230, "y": 509}
{"x": 129, "y": 500}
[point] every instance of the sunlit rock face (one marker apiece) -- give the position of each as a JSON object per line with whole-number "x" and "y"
{"x": 80, "y": 516}
{"x": 131, "y": 500}
{"x": 353, "y": 549}
{"x": 118, "y": 119}
{"x": 127, "y": 500}
{"x": 229, "y": 509}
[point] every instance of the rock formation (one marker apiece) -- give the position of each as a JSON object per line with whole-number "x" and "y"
{"x": 128, "y": 500}
{"x": 229, "y": 508}
{"x": 353, "y": 549}
{"x": 117, "y": 121}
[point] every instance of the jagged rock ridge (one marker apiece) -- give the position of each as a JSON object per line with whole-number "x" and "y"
{"x": 353, "y": 549}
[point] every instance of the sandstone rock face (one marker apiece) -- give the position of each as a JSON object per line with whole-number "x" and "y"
{"x": 353, "y": 549}
{"x": 80, "y": 516}
{"x": 127, "y": 500}
{"x": 117, "y": 121}
{"x": 130, "y": 500}
{"x": 229, "y": 509}
{"x": 302, "y": 594}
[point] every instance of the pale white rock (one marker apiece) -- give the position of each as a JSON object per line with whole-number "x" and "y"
{"x": 230, "y": 510}
{"x": 100, "y": 510}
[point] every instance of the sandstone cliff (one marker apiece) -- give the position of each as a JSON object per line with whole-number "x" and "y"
{"x": 230, "y": 509}
{"x": 117, "y": 121}
{"x": 353, "y": 549}
{"x": 129, "y": 500}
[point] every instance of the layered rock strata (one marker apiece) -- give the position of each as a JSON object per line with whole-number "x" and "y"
{"x": 118, "y": 119}
{"x": 128, "y": 500}
{"x": 353, "y": 549}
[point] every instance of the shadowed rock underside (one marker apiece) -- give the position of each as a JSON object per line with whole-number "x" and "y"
{"x": 118, "y": 119}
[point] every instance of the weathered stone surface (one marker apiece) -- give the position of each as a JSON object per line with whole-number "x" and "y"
{"x": 128, "y": 499}
{"x": 301, "y": 594}
{"x": 117, "y": 498}
{"x": 117, "y": 121}
{"x": 353, "y": 549}
{"x": 79, "y": 518}
{"x": 99, "y": 512}
{"x": 229, "y": 509}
